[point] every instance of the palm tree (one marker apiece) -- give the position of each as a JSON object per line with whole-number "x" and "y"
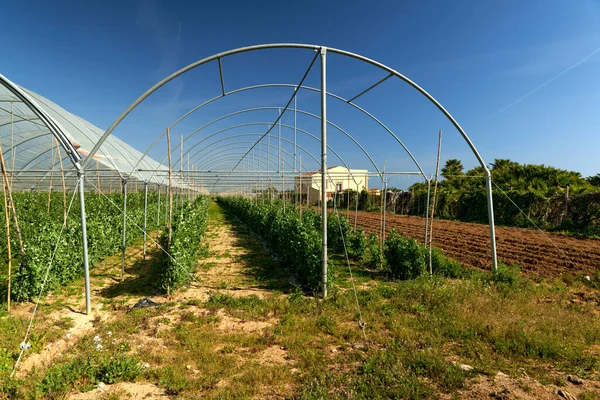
{"x": 453, "y": 168}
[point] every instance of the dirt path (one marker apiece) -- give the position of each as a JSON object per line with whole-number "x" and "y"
{"x": 541, "y": 253}
{"x": 171, "y": 340}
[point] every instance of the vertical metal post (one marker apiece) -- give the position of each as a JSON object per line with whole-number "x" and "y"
{"x": 157, "y": 212}
{"x": 356, "y": 207}
{"x": 145, "y": 215}
{"x": 427, "y": 211}
{"x": 279, "y": 136}
{"x": 324, "y": 168}
{"x": 124, "y": 241}
{"x": 491, "y": 219}
{"x": 181, "y": 187}
{"x": 86, "y": 264}
{"x": 295, "y": 107}
{"x": 384, "y": 208}
{"x": 300, "y": 190}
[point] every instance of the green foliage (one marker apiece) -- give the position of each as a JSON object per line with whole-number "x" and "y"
{"x": 539, "y": 191}
{"x": 84, "y": 373}
{"x": 296, "y": 243}
{"x": 358, "y": 245}
{"x": 41, "y": 230}
{"x": 404, "y": 257}
{"x": 372, "y": 257}
{"x": 188, "y": 228}
{"x": 507, "y": 274}
{"x": 444, "y": 266}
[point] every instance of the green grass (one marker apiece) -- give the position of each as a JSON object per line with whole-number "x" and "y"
{"x": 418, "y": 332}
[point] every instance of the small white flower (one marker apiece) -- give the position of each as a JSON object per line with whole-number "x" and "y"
{"x": 99, "y": 347}
{"x": 588, "y": 278}
{"x": 109, "y": 333}
{"x": 97, "y": 339}
{"x": 101, "y": 385}
{"x": 146, "y": 365}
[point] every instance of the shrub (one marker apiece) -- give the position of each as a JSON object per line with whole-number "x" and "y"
{"x": 372, "y": 257}
{"x": 404, "y": 257}
{"x": 358, "y": 245}
{"x": 296, "y": 243}
{"x": 40, "y": 230}
{"x": 444, "y": 266}
{"x": 506, "y": 274}
{"x": 188, "y": 229}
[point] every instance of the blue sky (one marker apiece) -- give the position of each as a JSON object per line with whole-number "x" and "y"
{"x": 522, "y": 78}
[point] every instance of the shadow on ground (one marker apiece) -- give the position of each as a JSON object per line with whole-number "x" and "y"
{"x": 259, "y": 263}
{"x": 141, "y": 277}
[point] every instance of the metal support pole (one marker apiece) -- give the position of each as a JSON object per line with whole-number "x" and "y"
{"x": 324, "y": 168}
{"x": 384, "y": 208}
{"x": 157, "y": 213}
{"x": 356, "y": 207}
{"x": 279, "y": 136}
{"x": 145, "y": 215}
{"x": 295, "y": 107}
{"x": 86, "y": 264}
{"x": 491, "y": 218}
{"x": 124, "y": 241}
{"x": 427, "y": 212}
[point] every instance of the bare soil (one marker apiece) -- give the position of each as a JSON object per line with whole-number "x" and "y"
{"x": 537, "y": 252}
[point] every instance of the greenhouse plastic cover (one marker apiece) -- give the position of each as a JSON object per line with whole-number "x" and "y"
{"x": 28, "y": 145}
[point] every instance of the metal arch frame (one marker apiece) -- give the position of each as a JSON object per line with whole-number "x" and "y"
{"x": 287, "y": 141}
{"x": 303, "y": 131}
{"x": 53, "y": 126}
{"x": 310, "y": 135}
{"x": 289, "y": 126}
{"x": 228, "y": 157}
{"x": 249, "y": 142}
{"x": 87, "y": 135}
{"x": 308, "y": 88}
{"x": 28, "y": 135}
{"x": 323, "y": 52}
{"x": 229, "y": 147}
{"x": 57, "y": 130}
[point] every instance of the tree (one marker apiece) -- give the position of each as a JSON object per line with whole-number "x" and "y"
{"x": 452, "y": 169}
{"x": 594, "y": 180}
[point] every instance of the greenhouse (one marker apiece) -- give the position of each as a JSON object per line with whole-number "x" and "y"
{"x": 102, "y": 195}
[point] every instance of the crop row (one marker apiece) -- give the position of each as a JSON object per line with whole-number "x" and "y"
{"x": 297, "y": 243}
{"x": 43, "y": 241}
{"x": 185, "y": 245}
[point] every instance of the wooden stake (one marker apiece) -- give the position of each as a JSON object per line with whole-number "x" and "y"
{"x": 51, "y": 173}
{"x": 437, "y": 171}
{"x": 64, "y": 186}
{"x": 7, "y": 220}
{"x": 97, "y": 179}
{"x": 12, "y": 203}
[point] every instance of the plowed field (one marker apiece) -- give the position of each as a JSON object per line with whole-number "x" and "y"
{"x": 539, "y": 253}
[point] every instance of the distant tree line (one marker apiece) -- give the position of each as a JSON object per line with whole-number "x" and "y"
{"x": 552, "y": 198}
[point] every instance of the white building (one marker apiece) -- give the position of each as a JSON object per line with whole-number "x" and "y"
{"x": 339, "y": 179}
